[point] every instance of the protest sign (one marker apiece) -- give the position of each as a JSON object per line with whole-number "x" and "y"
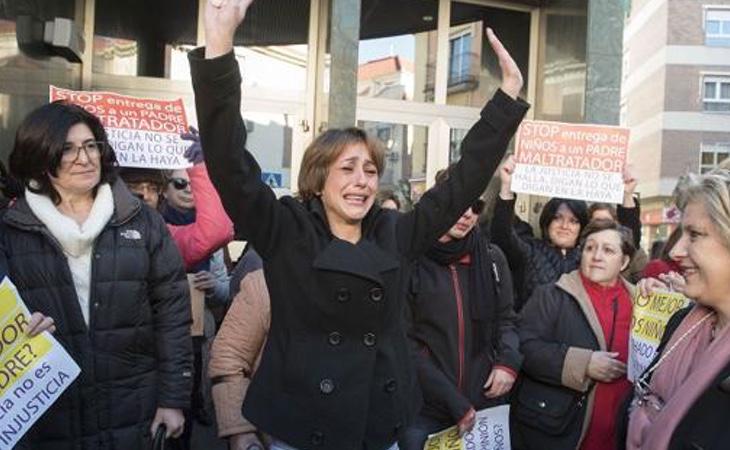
{"x": 143, "y": 132}
{"x": 490, "y": 432}
{"x": 649, "y": 318}
{"x": 34, "y": 372}
{"x": 578, "y": 161}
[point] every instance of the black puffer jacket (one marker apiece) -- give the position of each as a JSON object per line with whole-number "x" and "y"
{"x": 135, "y": 355}
{"x": 540, "y": 262}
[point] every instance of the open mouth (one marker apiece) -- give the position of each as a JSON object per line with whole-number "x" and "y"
{"x": 688, "y": 271}
{"x": 356, "y": 199}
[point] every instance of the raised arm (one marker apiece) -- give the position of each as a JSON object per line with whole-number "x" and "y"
{"x": 235, "y": 173}
{"x": 502, "y": 225}
{"x": 482, "y": 149}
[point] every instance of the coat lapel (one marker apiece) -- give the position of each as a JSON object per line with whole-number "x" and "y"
{"x": 364, "y": 259}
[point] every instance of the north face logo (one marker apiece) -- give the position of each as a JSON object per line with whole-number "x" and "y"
{"x": 133, "y": 235}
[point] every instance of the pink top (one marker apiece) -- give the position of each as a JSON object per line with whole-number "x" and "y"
{"x": 212, "y": 228}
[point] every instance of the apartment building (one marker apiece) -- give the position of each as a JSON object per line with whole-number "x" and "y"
{"x": 675, "y": 98}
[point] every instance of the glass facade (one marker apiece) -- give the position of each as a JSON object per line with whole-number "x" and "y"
{"x": 137, "y": 50}
{"x": 24, "y": 80}
{"x": 562, "y": 61}
{"x": 405, "y": 156}
{"x": 474, "y": 72}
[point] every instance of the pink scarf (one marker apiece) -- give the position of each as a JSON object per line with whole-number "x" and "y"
{"x": 679, "y": 380}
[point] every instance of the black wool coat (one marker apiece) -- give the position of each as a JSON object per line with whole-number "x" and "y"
{"x": 336, "y": 372}
{"x": 135, "y": 354}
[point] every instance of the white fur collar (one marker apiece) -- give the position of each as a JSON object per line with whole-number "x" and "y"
{"x": 75, "y": 239}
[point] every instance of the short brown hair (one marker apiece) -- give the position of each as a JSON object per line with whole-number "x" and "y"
{"x": 601, "y": 207}
{"x": 325, "y": 149}
{"x": 627, "y": 237}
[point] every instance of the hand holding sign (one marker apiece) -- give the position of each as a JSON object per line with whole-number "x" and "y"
{"x": 505, "y": 176}
{"x": 511, "y": 76}
{"x": 466, "y": 423}
{"x": 194, "y": 153}
{"x": 34, "y": 371}
{"x": 39, "y": 323}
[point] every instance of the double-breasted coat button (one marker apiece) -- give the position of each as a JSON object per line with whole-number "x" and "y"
{"x": 316, "y": 438}
{"x": 343, "y": 295}
{"x": 326, "y": 386}
{"x": 390, "y": 385}
{"x": 369, "y": 339}
{"x": 376, "y": 294}
{"x": 334, "y": 338}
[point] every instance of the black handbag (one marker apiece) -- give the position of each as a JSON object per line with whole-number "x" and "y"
{"x": 158, "y": 443}
{"x": 550, "y": 409}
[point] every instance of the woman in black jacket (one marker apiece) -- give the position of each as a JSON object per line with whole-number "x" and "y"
{"x": 574, "y": 337}
{"x": 464, "y": 326}
{"x": 336, "y": 372}
{"x": 683, "y": 399}
{"x": 537, "y": 260}
{"x": 89, "y": 257}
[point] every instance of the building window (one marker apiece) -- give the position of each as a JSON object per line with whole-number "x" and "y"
{"x": 460, "y": 59}
{"x": 716, "y": 93}
{"x": 717, "y": 27}
{"x": 713, "y": 154}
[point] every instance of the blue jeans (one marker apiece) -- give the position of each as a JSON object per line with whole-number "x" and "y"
{"x": 278, "y": 445}
{"x": 414, "y": 437}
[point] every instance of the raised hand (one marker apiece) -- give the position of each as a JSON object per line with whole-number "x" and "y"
{"x": 630, "y": 182}
{"x": 505, "y": 176}
{"x": 194, "y": 153}
{"x": 511, "y": 76}
{"x": 222, "y": 17}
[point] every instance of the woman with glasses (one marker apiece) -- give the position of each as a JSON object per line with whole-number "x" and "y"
{"x": 101, "y": 268}
{"x": 463, "y": 325}
{"x": 574, "y": 335}
{"x": 683, "y": 399}
{"x": 336, "y": 371}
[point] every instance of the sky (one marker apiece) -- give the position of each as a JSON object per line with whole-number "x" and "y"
{"x": 403, "y": 46}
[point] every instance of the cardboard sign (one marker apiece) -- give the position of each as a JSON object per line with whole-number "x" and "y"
{"x": 649, "y": 318}
{"x": 577, "y": 161}
{"x": 197, "y": 304}
{"x": 490, "y": 432}
{"x": 143, "y": 132}
{"x": 34, "y": 372}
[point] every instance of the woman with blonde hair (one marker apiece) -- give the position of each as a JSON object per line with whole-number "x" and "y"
{"x": 683, "y": 399}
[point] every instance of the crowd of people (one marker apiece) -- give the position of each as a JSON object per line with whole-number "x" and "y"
{"x": 350, "y": 322}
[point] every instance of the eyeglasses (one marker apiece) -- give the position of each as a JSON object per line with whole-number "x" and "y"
{"x": 72, "y": 152}
{"x": 478, "y": 206}
{"x": 179, "y": 183}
